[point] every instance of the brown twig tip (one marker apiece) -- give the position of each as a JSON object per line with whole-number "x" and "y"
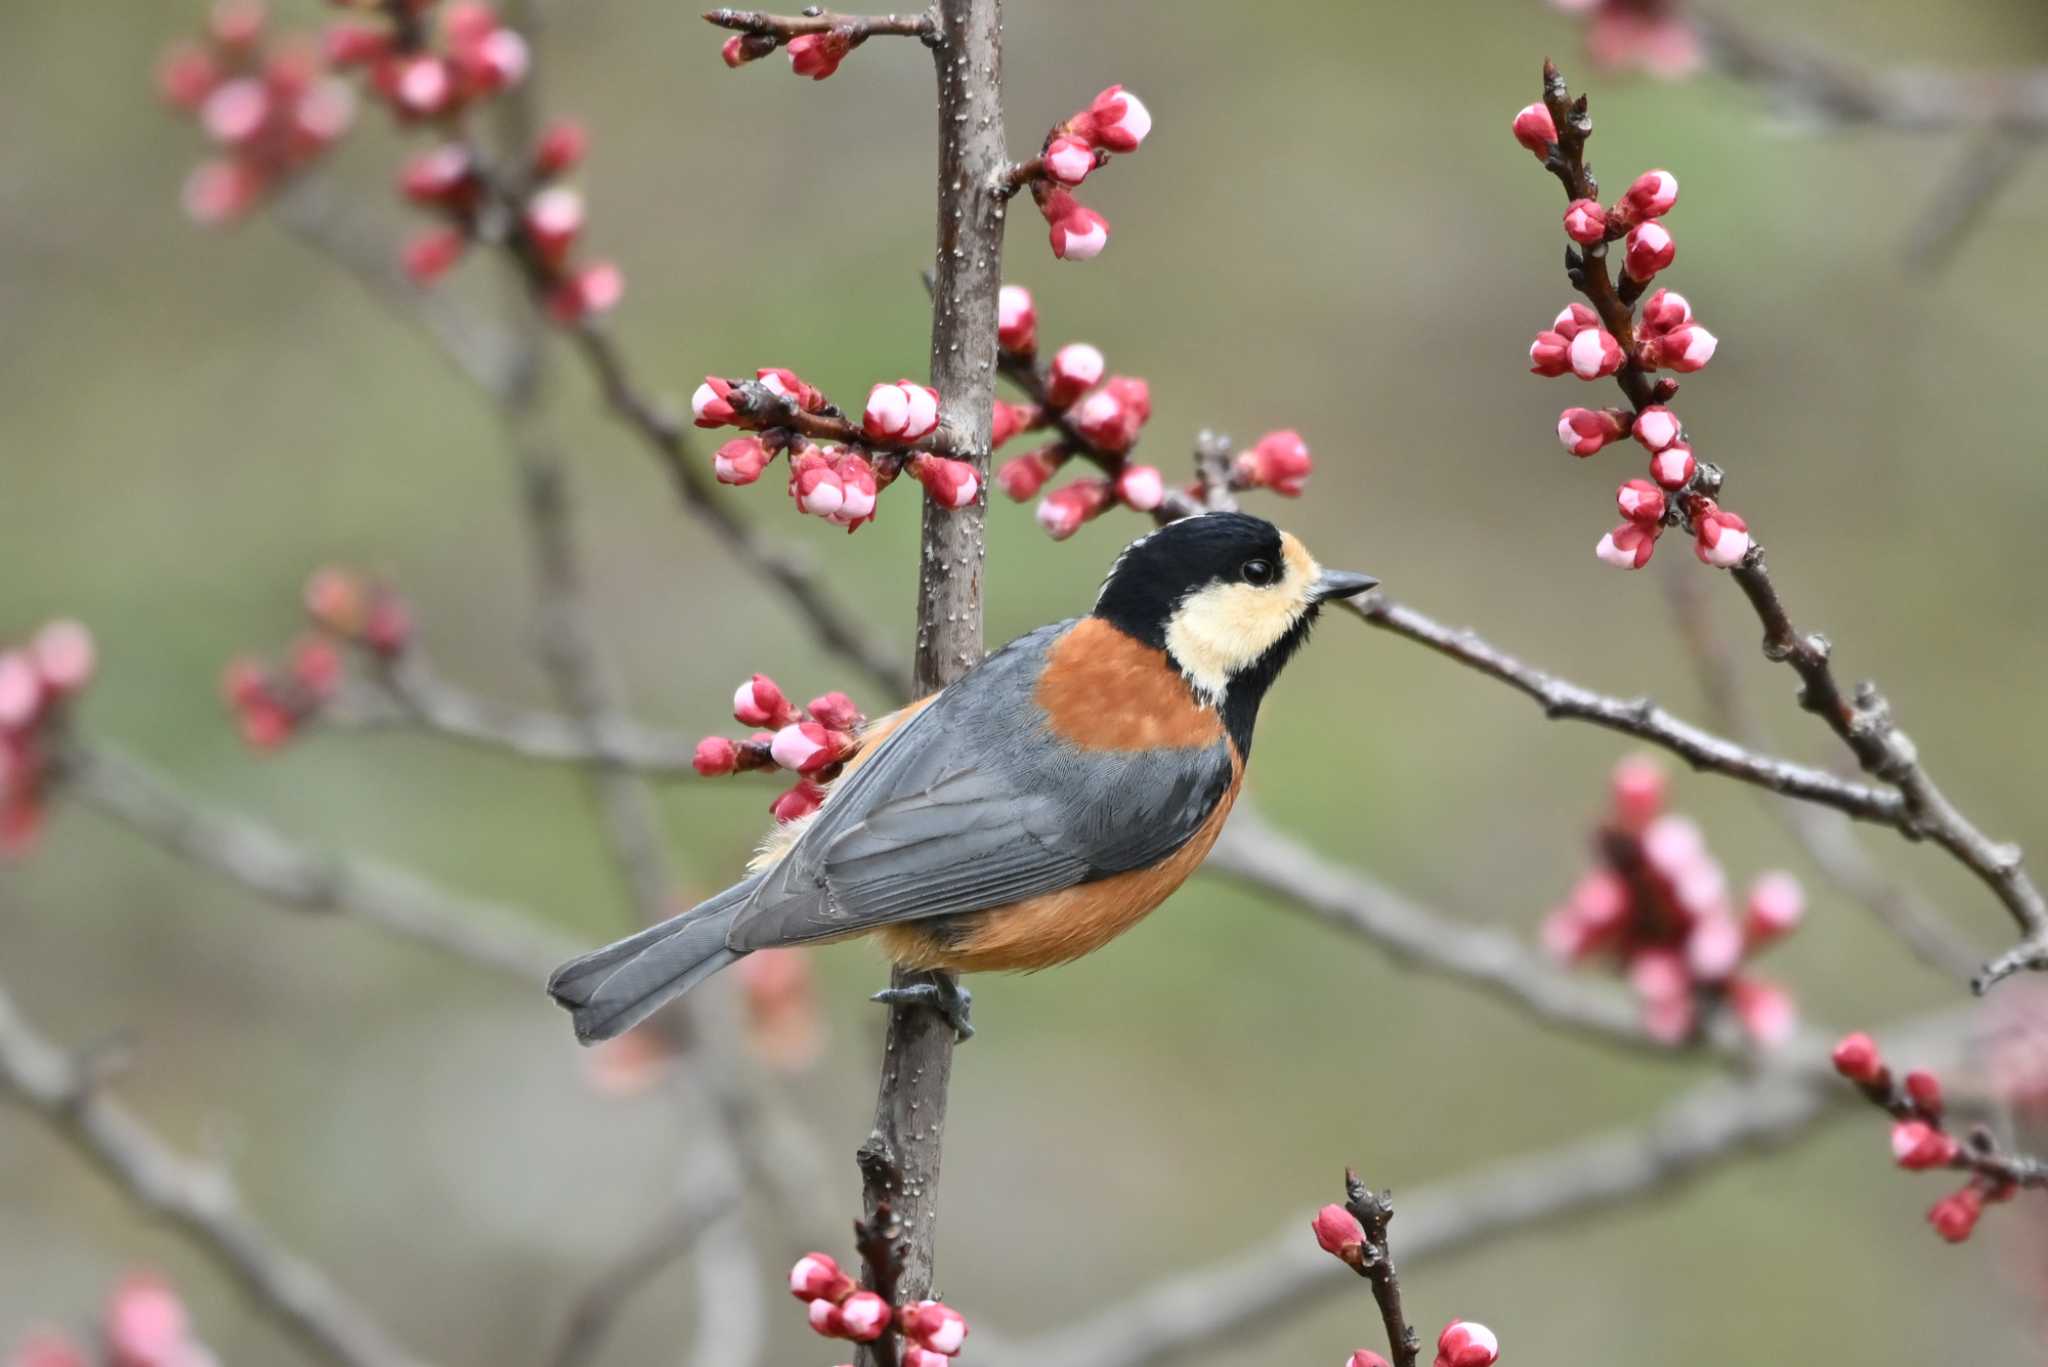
{"x": 1374, "y": 1211}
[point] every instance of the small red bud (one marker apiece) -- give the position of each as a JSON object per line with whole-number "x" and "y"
{"x": 715, "y": 756}
{"x": 1925, "y": 1090}
{"x": 1339, "y": 1234}
{"x": 1585, "y": 222}
{"x": 1857, "y": 1059}
{"x": 1465, "y": 1343}
{"x": 1535, "y": 130}
{"x": 1917, "y": 1145}
{"x": 1955, "y": 1215}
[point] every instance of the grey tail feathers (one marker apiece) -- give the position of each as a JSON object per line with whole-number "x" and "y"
{"x": 609, "y": 991}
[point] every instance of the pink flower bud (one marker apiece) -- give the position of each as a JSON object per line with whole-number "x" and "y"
{"x": 1339, "y": 1234}
{"x": 1713, "y": 948}
{"x": 321, "y": 115}
{"x": 1062, "y": 511}
{"x": 431, "y": 254}
{"x": 424, "y": 87}
{"x": 21, "y": 691}
{"x": 858, "y": 489}
{"x": 818, "y": 55}
{"x": 936, "y": 1327}
{"x": 218, "y": 193}
{"x": 915, "y": 1356}
{"x": 186, "y": 74}
{"x": 715, "y": 756}
{"x": 1639, "y": 786}
{"x": 1925, "y": 1090}
{"x": 64, "y": 657}
{"x": 499, "y": 61}
{"x": 1068, "y": 160}
{"x": 733, "y": 51}
{"x": 1007, "y": 420}
{"x": 1955, "y": 1215}
{"x": 1585, "y": 430}
{"x": 1653, "y": 195}
{"x": 710, "y": 404}
{"x": 596, "y": 288}
{"x": 740, "y": 461}
{"x": 1076, "y": 367}
{"x": 1141, "y": 487}
{"x": 758, "y": 702}
{"x": 1585, "y": 222}
{"x": 48, "y": 1348}
{"x": 1776, "y": 903}
{"x": 1629, "y": 546}
{"x": 1535, "y": 130}
{"x": 1672, "y": 467}
{"x": 1720, "y": 538}
{"x": 865, "y": 1315}
{"x": 1917, "y": 1145}
{"x": 1602, "y": 901}
{"x": 145, "y": 1322}
{"x": 951, "y": 483}
{"x": 1279, "y": 461}
{"x": 1856, "y": 1058}
{"x": 1022, "y": 477}
{"x": 1640, "y": 501}
{"x": 816, "y": 1276}
{"x": 466, "y": 23}
{"x": 1660, "y": 975}
{"x": 835, "y": 711}
{"x": 1365, "y": 1357}
{"x": 561, "y": 148}
{"x": 826, "y": 1320}
{"x": 553, "y": 219}
{"x": 236, "y": 111}
{"x": 1106, "y": 421}
{"x": 1116, "y": 120}
{"x": 799, "y": 802}
{"x": 1017, "y": 320}
{"x": 352, "y": 44}
{"x": 440, "y": 175}
{"x": 787, "y": 384}
{"x": 1656, "y": 427}
{"x": 1665, "y": 310}
{"x": 1078, "y": 233}
{"x": 1594, "y": 353}
{"x": 316, "y": 666}
{"x": 1648, "y": 249}
{"x": 236, "y": 23}
{"x": 1685, "y": 348}
{"x": 900, "y": 413}
{"x": 1573, "y": 319}
{"x": 1465, "y": 1343}
{"x": 815, "y": 485}
{"x": 1550, "y": 355}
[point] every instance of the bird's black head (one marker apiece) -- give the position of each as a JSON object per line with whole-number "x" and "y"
{"x": 1229, "y": 598}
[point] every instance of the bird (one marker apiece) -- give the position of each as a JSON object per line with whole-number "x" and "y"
{"x": 1031, "y": 810}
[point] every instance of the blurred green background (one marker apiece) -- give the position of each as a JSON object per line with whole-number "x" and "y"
{"x": 1330, "y": 229}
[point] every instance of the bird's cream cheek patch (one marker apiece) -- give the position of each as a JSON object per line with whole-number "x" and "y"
{"x": 1225, "y": 629}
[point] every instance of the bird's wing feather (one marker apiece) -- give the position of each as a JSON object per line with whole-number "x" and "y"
{"x": 973, "y": 804}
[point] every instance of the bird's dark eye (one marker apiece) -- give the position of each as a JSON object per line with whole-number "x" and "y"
{"x": 1258, "y": 573}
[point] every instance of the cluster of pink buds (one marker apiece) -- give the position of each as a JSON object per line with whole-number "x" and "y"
{"x": 929, "y": 1333}
{"x": 1652, "y": 36}
{"x": 38, "y": 681}
{"x": 144, "y": 1324}
{"x": 1920, "y": 1139}
{"x": 1115, "y": 121}
{"x": 272, "y": 704}
{"x": 811, "y": 55}
{"x": 429, "y": 71}
{"x": 266, "y": 105}
{"x": 811, "y": 742}
{"x": 1657, "y": 902}
{"x": 1463, "y": 1343}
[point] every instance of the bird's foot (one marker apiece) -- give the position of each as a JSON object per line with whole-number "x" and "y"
{"x": 940, "y": 993}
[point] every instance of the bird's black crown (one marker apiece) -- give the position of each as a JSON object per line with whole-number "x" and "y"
{"x": 1157, "y": 572}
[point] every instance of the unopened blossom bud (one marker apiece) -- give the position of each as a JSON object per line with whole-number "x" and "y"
{"x": 186, "y": 74}
{"x": 1640, "y": 501}
{"x": 1925, "y": 1090}
{"x": 715, "y": 756}
{"x": 1573, "y": 319}
{"x": 1115, "y": 120}
{"x": 1653, "y": 195}
{"x": 758, "y": 702}
{"x": 818, "y": 55}
{"x": 1673, "y": 467}
{"x": 316, "y": 666}
{"x": 1076, "y": 368}
{"x": 835, "y": 711}
{"x": 935, "y": 1327}
{"x": 218, "y": 193}
{"x": 21, "y": 691}
{"x": 740, "y": 461}
{"x": 1585, "y": 430}
{"x": 815, "y": 485}
{"x": 900, "y": 413}
{"x": 1776, "y": 903}
{"x": 64, "y": 656}
{"x": 1106, "y": 421}
{"x": 498, "y": 61}
{"x": 1466, "y": 1343}
{"x": 1857, "y": 1059}
{"x": 1006, "y": 420}
{"x": 48, "y": 1348}
{"x": 1629, "y": 546}
{"x": 816, "y": 1276}
{"x": 440, "y": 175}
{"x": 432, "y": 253}
{"x": 916, "y": 1356}
{"x": 865, "y": 1315}
{"x": 1673, "y": 844}
{"x": 1713, "y": 948}
{"x": 236, "y": 111}
{"x": 594, "y": 289}
{"x": 1649, "y": 248}
{"x": 1665, "y": 310}
{"x": 1550, "y": 355}
{"x": 858, "y": 489}
{"x": 553, "y": 218}
{"x": 1016, "y": 320}
{"x": 1279, "y": 461}
{"x": 1062, "y": 511}
{"x": 146, "y": 1322}
{"x": 1685, "y": 348}
{"x": 243, "y": 683}
{"x": 1639, "y": 786}
{"x": 1955, "y": 1215}
{"x": 951, "y": 483}
{"x": 561, "y": 148}
{"x": 806, "y": 797}
{"x": 1917, "y": 1145}
{"x": 1365, "y": 1357}
{"x": 1720, "y": 538}
{"x": 424, "y": 86}
{"x": 742, "y": 48}
{"x": 1141, "y": 487}
{"x": 1339, "y": 1234}
{"x": 236, "y": 24}
{"x": 1535, "y": 130}
{"x": 1585, "y": 222}
{"x": 1656, "y": 427}
{"x": 1077, "y": 232}
{"x": 1594, "y": 353}
{"x": 1068, "y": 160}
{"x": 824, "y": 1316}
{"x": 1022, "y": 477}
{"x": 710, "y": 404}
{"x": 1766, "y": 1011}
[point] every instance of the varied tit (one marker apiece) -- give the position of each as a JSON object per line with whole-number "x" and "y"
{"x": 1033, "y": 809}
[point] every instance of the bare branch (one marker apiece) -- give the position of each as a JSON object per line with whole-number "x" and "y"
{"x": 858, "y": 27}
{"x": 198, "y": 1200}
{"x": 1374, "y": 1211}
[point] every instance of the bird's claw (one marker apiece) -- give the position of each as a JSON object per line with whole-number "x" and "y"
{"x": 942, "y": 994}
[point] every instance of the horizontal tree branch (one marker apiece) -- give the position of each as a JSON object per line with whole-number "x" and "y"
{"x": 860, "y": 27}
{"x": 198, "y": 1200}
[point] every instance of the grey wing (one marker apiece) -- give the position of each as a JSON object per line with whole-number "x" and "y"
{"x": 972, "y": 804}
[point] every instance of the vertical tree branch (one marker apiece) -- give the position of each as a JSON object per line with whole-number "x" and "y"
{"x": 900, "y": 1161}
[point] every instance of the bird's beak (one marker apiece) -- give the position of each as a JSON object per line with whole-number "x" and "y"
{"x": 1341, "y": 584}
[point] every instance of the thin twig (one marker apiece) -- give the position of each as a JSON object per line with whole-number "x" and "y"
{"x": 198, "y": 1200}
{"x": 858, "y": 27}
{"x": 1374, "y": 1211}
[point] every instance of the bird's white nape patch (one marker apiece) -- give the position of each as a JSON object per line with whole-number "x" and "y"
{"x": 1220, "y": 631}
